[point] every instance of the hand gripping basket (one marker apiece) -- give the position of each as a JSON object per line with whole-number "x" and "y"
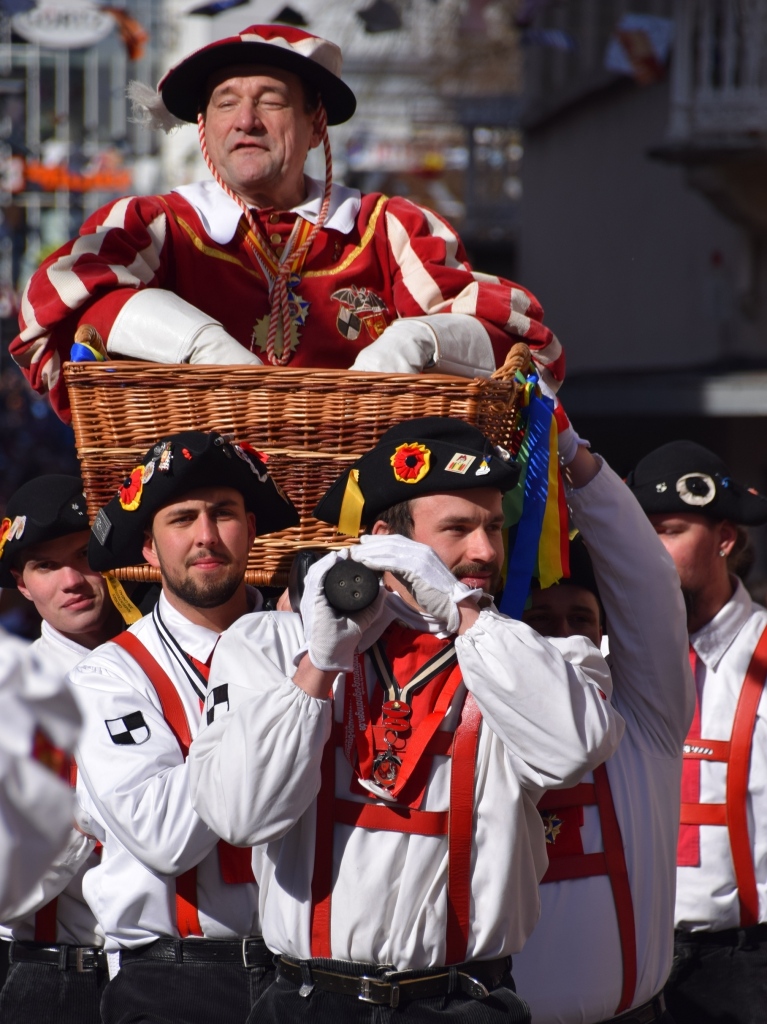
{"x": 312, "y": 423}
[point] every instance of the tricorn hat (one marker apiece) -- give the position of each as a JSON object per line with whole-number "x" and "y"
{"x": 174, "y": 466}
{"x": 414, "y": 458}
{"x": 683, "y": 476}
{"x": 316, "y": 61}
{"x": 43, "y": 509}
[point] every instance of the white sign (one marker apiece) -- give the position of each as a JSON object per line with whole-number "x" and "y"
{"x": 63, "y": 24}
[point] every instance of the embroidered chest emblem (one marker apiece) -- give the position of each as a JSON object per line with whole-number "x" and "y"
{"x": 552, "y": 826}
{"x": 360, "y": 309}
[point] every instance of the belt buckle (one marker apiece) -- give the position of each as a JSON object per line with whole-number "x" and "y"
{"x": 245, "y": 956}
{"x": 83, "y": 954}
{"x": 474, "y": 987}
{"x": 365, "y": 994}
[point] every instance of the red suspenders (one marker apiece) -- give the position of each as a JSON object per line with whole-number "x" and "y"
{"x": 611, "y": 862}
{"x": 46, "y": 918}
{"x": 235, "y": 861}
{"x": 737, "y": 755}
{"x": 456, "y": 824}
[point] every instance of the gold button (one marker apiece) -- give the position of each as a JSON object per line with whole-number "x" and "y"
{"x": 274, "y": 218}
{"x": 275, "y": 238}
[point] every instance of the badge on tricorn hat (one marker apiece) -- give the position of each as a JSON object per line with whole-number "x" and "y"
{"x": 174, "y": 466}
{"x": 683, "y": 476}
{"x": 414, "y": 458}
{"x": 43, "y": 509}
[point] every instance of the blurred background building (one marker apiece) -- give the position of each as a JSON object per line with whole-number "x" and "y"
{"x": 608, "y": 154}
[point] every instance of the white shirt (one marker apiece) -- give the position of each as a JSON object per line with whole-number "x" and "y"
{"x": 138, "y": 796}
{"x": 255, "y": 775}
{"x": 707, "y": 896}
{"x": 36, "y": 806}
{"x": 571, "y": 970}
{"x": 63, "y": 881}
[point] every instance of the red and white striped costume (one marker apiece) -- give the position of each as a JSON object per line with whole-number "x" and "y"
{"x": 398, "y": 258}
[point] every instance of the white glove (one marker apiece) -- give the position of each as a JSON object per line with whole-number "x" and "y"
{"x": 332, "y": 638}
{"x": 422, "y": 571}
{"x": 453, "y": 343}
{"x": 568, "y": 439}
{"x": 158, "y": 326}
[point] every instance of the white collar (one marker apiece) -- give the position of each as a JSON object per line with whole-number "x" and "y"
{"x": 220, "y": 214}
{"x": 199, "y": 641}
{"x": 52, "y": 635}
{"x": 712, "y": 641}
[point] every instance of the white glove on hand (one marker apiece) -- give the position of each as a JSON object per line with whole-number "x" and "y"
{"x": 406, "y": 346}
{"x": 332, "y": 638}
{"x": 421, "y": 570}
{"x": 453, "y": 343}
{"x": 158, "y": 326}
{"x": 568, "y": 439}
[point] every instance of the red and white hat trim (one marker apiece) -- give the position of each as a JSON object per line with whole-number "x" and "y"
{"x": 316, "y": 61}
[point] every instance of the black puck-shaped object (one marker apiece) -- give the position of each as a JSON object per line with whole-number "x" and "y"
{"x": 350, "y": 586}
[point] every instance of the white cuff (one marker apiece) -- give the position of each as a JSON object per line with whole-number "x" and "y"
{"x": 159, "y": 326}
{"x": 463, "y": 345}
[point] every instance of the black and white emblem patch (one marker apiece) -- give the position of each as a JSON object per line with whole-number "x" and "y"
{"x": 217, "y": 702}
{"x": 130, "y": 729}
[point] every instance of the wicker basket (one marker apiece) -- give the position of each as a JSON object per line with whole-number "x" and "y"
{"x": 311, "y": 423}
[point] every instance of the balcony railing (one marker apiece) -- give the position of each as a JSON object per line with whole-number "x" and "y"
{"x": 719, "y": 82}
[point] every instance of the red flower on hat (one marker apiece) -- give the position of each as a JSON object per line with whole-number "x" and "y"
{"x": 5, "y": 529}
{"x": 131, "y": 489}
{"x": 411, "y": 463}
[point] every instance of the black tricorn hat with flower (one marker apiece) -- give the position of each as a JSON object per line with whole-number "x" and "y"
{"x": 414, "y": 458}
{"x": 174, "y": 466}
{"x": 685, "y": 477}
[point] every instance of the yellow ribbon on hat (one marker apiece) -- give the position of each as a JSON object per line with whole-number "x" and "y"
{"x": 121, "y": 601}
{"x": 351, "y": 507}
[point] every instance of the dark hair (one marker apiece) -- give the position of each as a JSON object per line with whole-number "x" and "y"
{"x": 399, "y": 518}
{"x": 742, "y": 558}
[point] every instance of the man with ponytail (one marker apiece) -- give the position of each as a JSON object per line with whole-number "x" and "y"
{"x": 261, "y": 263}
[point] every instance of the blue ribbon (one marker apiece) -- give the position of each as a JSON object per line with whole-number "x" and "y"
{"x": 523, "y": 553}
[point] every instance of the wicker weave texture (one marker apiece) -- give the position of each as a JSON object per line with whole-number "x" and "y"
{"x": 311, "y": 423}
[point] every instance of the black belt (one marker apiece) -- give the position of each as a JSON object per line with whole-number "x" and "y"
{"x": 384, "y": 986}
{"x": 61, "y": 955}
{"x": 644, "y": 1014}
{"x": 250, "y": 952}
{"x": 725, "y": 937}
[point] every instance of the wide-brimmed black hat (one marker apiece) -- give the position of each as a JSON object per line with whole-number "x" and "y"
{"x": 174, "y": 466}
{"x": 316, "y": 61}
{"x": 683, "y": 476}
{"x": 414, "y": 458}
{"x": 45, "y": 508}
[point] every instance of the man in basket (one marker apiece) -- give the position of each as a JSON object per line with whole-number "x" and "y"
{"x": 178, "y": 908}
{"x": 58, "y": 967}
{"x": 261, "y": 263}
{"x": 388, "y": 763}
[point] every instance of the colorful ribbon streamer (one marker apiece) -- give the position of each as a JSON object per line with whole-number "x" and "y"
{"x": 536, "y": 512}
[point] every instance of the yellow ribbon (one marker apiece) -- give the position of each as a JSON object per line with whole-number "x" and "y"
{"x": 352, "y": 505}
{"x": 121, "y": 601}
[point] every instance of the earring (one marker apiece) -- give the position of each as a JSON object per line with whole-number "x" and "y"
{"x": 722, "y": 552}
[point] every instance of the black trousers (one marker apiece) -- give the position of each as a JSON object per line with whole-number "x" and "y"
{"x": 150, "y": 992}
{"x": 722, "y": 980}
{"x": 43, "y": 994}
{"x": 281, "y": 1004}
